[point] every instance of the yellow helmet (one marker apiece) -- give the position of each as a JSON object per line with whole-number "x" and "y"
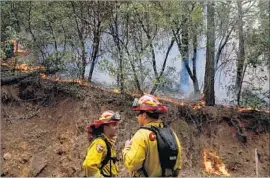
{"x": 149, "y": 103}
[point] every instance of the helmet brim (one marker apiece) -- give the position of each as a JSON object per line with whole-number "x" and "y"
{"x": 161, "y": 109}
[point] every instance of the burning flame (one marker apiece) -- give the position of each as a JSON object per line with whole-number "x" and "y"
{"x": 200, "y": 105}
{"x": 79, "y": 81}
{"x": 251, "y": 109}
{"x": 213, "y": 164}
{"x": 43, "y": 76}
{"x": 196, "y": 107}
{"x": 116, "y": 91}
{"x": 25, "y": 67}
{"x": 22, "y": 67}
{"x": 245, "y": 109}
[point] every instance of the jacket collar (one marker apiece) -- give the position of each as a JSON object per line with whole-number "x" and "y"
{"x": 156, "y": 123}
{"x": 111, "y": 141}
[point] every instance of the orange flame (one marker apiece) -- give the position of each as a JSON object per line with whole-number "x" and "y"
{"x": 245, "y": 109}
{"x": 25, "y": 67}
{"x": 196, "y": 107}
{"x": 200, "y": 104}
{"x": 79, "y": 81}
{"x": 213, "y": 164}
{"x": 251, "y": 109}
{"x": 22, "y": 67}
{"x": 43, "y": 76}
{"x": 116, "y": 91}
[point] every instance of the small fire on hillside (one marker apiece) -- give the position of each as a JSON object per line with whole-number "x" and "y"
{"x": 197, "y": 106}
{"x": 11, "y": 63}
{"x": 213, "y": 164}
{"x": 24, "y": 67}
{"x": 79, "y": 81}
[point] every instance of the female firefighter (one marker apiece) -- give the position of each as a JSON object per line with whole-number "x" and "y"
{"x": 101, "y": 159}
{"x": 144, "y": 155}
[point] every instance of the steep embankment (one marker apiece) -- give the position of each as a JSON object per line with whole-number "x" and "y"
{"x": 42, "y": 131}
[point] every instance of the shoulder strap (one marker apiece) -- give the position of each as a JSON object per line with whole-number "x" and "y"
{"x": 152, "y": 128}
{"x": 155, "y": 130}
{"x": 108, "y": 155}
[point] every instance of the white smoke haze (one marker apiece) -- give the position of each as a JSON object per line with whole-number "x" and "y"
{"x": 256, "y": 80}
{"x": 225, "y": 76}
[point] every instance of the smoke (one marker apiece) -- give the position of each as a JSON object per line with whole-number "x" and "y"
{"x": 179, "y": 84}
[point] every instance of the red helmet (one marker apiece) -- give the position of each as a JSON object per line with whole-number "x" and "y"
{"x": 107, "y": 117}
{"x": 149, "y": 103}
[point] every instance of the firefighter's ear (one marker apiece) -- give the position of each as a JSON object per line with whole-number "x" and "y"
{"x": 144, "y": 115}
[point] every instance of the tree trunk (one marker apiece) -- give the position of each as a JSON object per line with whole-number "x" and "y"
{"x": 81, "y": 39}
{"x": 192, "y": 74}
{"x": 116, "y": 38}
{"x": 82, "y": 70}
{"x": 209, "y": 78}
{"x": 95, "y": 49}
{"x": 194, "y": 77}
{"x": 32, "y": 34}
{"x": 137, "y": 82}
{"x": 15, "y": 10}
{"x": 222, "y": 44}
{"x": 183, "y": 49}
{"x": 121, "y": 72}
{"x": 241, "y": 55}
{"x": 184, "y": 79}
{"x": 240, "y": 89}
{"x": 196, "y": 87}
{"x": 154, "y": 87}
{"x": 163, "y": 67}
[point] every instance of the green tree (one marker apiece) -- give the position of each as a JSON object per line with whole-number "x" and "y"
{"x": 209, "y": 78}
{"x": 185, "y": 21}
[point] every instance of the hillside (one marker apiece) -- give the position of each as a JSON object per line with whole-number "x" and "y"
{"x": 42, "y": 131}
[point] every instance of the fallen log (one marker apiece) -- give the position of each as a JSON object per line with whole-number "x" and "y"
{"x": 17, "y": 78}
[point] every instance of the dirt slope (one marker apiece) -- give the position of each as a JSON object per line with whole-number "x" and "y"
{"x": 45, "y": 137}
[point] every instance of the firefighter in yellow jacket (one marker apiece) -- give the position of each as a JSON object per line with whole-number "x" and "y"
{"x": 101, "y": 159}
{"x": 140, "y": 154}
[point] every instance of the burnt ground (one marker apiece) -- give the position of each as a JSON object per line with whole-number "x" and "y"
{"x": 42, "y": 130}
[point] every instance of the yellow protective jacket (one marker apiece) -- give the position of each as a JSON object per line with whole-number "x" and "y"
{"x": 96, "y": 153}
{"x": 144, "y": 153}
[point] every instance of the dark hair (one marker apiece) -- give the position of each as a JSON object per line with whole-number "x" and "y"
{"x": 98, "y": 131}
{"x": 153, "y": 115}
